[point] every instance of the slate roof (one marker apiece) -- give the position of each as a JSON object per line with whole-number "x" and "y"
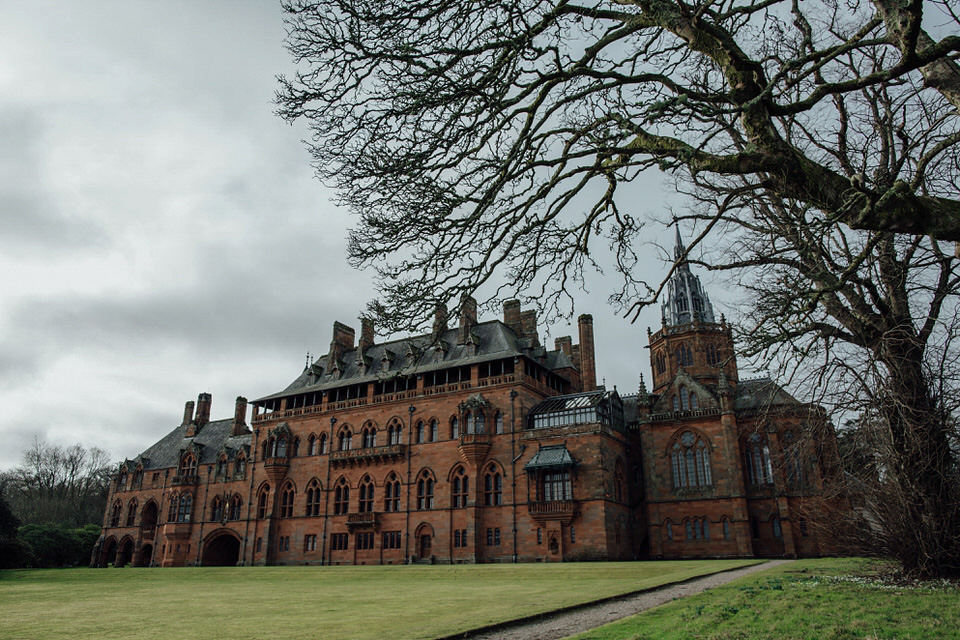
{"x": 213, "y": 437}
{"x": 761, "y": 393}
{"x": 493, "y": 341}
{"x": 554, "y": 456}
{"x": 569, "y": 402}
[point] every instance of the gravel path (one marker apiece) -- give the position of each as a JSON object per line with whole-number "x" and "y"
{"x": 553, "y": 626}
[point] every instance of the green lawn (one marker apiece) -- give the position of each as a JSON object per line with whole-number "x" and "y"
{"x": 309, "y": 602}
{"x": 827, "y": 598}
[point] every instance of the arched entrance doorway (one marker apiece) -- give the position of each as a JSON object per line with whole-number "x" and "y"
{"x": 145, "y": 556}
{"x": 148, "y": 517}
{"x": 124, "y": 553}
{"x": 424, "y": 542}
{"x": 221, "y": 550}
{"x": 109, "y": 554}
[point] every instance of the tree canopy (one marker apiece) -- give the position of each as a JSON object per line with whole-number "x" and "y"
{"x": 490, "y": 141}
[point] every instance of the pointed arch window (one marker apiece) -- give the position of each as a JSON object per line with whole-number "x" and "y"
{"x": 712, "y": 358}
{"x": 369, "y": 437}
{"x": 132, "y": 512}
{"x": 312, "y": 445}
{"x": 759, "y": 464}
{"x": 341, "y": 498}
{"x": 694, "y": 402}
{"x": 185, "y": 508}
{"x": 434, "y": 431}
{"x": 240, "y": 467}
{"x": 171, "y": 510}
{"x": 216, "y": 509}
{"x": 395, "y": 432}
{"x": 454, "y": 428}
{"x": 684, "y": 398}
{"x": 188, "y": 465}
{"x": 421, "y": 432}
{"x": 115, "y": 513}
{"x": 793, "y": 459}
{"x": 684, "y": 356}
{"x": 262, "y": 502}
{"x": 460, "y": 488}
{"x": 365, "y": 504}
{"x": 322, "y": 443}
{"x": 479, "y": 421}
{"x": 391, "y": 493}
{"x": 661, "y": 361}
{"x": 425, "y": 491}
{"x": 345, "y": 439}
{"x": 498, "y": 423}
{"x": 122, "y": 480}
{"x": 690, "y": 462}
{"x": 492, "y": 487}
{"x": 287, "y": 496}
{"x": 314, "y": 495}
{"x": 280, "y": 450}
{"x": 236, "y": 507}
{"x": 137, "y": 478}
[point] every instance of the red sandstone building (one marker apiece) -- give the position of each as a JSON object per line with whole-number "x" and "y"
{"x": 475, "y": 443}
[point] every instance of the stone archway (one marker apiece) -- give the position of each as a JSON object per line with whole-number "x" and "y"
{"x": 144, "y": 557}
{"x": 124, "y": 553}
{"x": 221, "y": 550}
{"x": 424, "y": 543}
{"x": 109, "y": 554}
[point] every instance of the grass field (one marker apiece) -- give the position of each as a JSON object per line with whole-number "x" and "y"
{"x": 394, "y": 602}
{"x": 828, "y": 598}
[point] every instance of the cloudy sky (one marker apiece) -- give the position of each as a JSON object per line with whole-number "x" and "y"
{"x": 161, "y": 233}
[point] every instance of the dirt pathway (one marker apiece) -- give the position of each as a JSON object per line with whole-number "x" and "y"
{"x": 552, "y": 626}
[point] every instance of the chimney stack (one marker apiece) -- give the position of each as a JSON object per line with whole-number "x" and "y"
{"x": 188, "y": 413}
{"x": 342, "y": 342}
{"x": 564, "y": 344}
{"x": 528, "y": 325}
{"x": 468, "y": 320}
{"x": 511, "y": 316}
{"x": 439, "y": 320}
{"x": 366, "y": 333}
{"x": 203, "y": 410}
{"x": 240, "y": 416}
{"x": 588, "y": 364}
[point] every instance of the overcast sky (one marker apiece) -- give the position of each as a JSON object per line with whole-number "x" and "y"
{"x": 161, "y": 233}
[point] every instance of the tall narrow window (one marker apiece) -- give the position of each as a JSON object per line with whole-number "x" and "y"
{"x": 118, "y": 509}
{"x": 365, "y": 504}
{"x": 391, "y": 493}
{"x": 312, "y": 445}
{"x": 313, "y": 498}
{"x": 216, "y": 509}
{"x": 287, "y": 496}
{"x": 132, "y": 512}
{"x": 759, "y": 465}
{"x": 262, "y": 503}
{"x": 424, "y": 492}
{"x": 684, "y": 398}
{"x": 712, "y": 358}
{"x": 434, "y": 431}
{"x": 186, "y": 507}
{"x": 478, "y": 421}
{"x": 454, "y": 428}
{"x": 684, "y": 356}
{"x": 369, "y": 437}
{"x": 236, "y": 507}
{"x": 460, "y": 488}
{"x": 341, "y": 498}
{"x": 498, "y": 423}
{"x": 777, "y": 531}
{"x": 322, "y": 444}
{"x": 420, "y": 433}
{"x": 492, "y": 487}
{"x": 395, "y": 432}
{"x": 188, "y": 465}
{"x": 690, "y": 462}
{"x": 345, "y": 439}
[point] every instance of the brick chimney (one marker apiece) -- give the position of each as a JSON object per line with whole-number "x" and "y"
{"x": 240, "y": 416}
{"x": 203, "y": 410}
{"x": 187, "y": 413}
{"x": 564, "y": 344}
{"x": 468, "y": 320}
{"x": 511, "y": 316}
{"x": 439, "y": 320}
{"x": 588, "y": 363}
{"x": 366, "y": 333}
{"x": 528, "y": 324}
{"x": 342, "y": 342}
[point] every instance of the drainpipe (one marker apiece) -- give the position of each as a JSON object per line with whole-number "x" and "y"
{"x": 406, "y": 532}
{"x": 253, "y": 473}
{"x": 326, "y": 494}
{"x": 513, "y": 468}
{"x": 203, "y": 510}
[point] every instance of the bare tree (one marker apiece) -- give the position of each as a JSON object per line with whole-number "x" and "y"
{"x": 478, "y": 140}
{"x": 64, "y": 485}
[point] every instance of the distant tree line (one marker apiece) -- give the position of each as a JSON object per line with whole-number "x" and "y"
{"x": 51, "y": 506}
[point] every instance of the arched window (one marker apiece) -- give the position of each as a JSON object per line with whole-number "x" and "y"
{"x": 712, "y": 358}
{"x": 369, "y": 437}
{"x": 454, "y": 428}
{"x": 281, "y": 447}
{"x": 312, "y": 445}
{"x": 188, "y": 465}
{"x": 669, "y": 527}
{"x": 690, "y": 462}
{"x": 460, "y": 488}
{"x": 492, "y": 487}
{"x": 122, "y": 480}
{"x": 236, "y": 507}
{"x": 684, "y": 356}
{"x": 132, "y": 512}
{"x": 115, "y": 513}
{"x": 171, "y": 510}
{"x": 296, "y": 448}
{"x": 498, "y": 423}
{"x": 694, "y": 402}
{"x": 793, "y": 459}
{"x": 313, "y": 498}
{"x": 759, "y": 466}
{"x": 341, "y": 498}
{"x": 684, "y": 398}
{"x": 425, "y": 491}
{"x": 395, "y": 432}
{"x": 391, "y": 493}
{"x": 262, "y": 502}
{"x": 661, "y": 362}
{"x": 726, "y": 528}
{"x": 322, "y": 446}
{"x": 434, "y": 431}
{"x": 688, "y": 526}
{"x": 221, "y": 472}
{"x": 240, "y": 467}
{"x": 345, "y": 439}
{"x": 138, "y": 478}
{"x": 421, "y": 435}
{"x": 365, "y": 504}
{"x": 777, "y": 531}
{"x": 216, "y": 509}
{"x": 676, "y": 403}
{"x": 478, "y": 421}
{"x": 287, "y": 495}
{"x": 186, "y": 507}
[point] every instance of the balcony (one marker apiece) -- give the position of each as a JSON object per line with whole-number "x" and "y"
{"x": 365, "y": 520}
{"x": 553, "y": 510}
{"x": 368, "y": 455}
{"x": 473, "y": 448}
{"x": 276, "y": 468}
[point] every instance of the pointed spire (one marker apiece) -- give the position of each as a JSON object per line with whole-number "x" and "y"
{"x": 678, "y": 249}
{"x": 686, "y": 300}
{"x": 643, "y": 396}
